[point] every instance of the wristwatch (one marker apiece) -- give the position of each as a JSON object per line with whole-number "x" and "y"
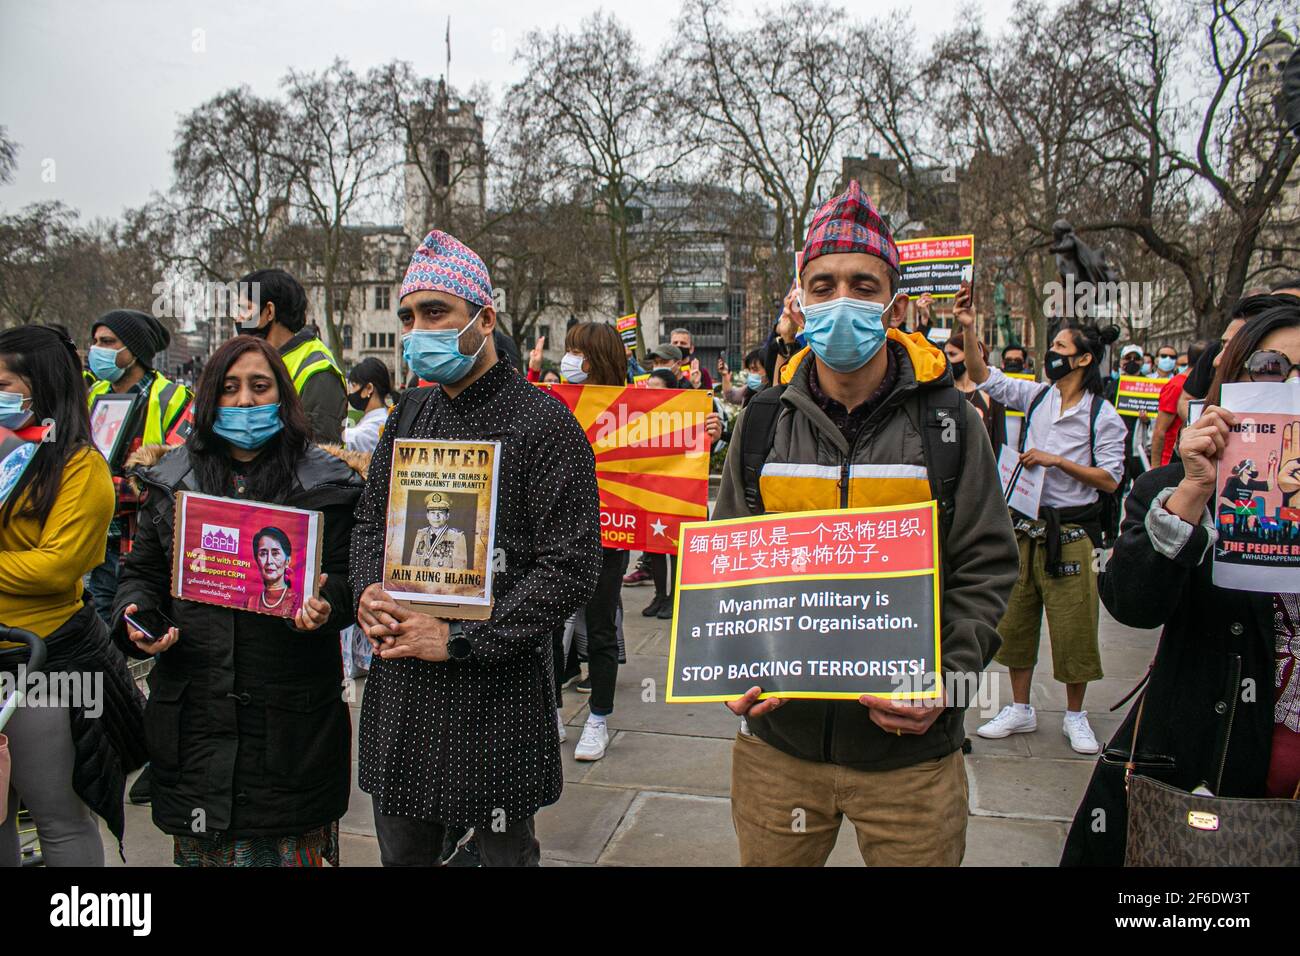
{"x": 458, "y": 645}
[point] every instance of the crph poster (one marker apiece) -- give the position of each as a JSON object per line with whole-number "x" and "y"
{"x": 1258, "y": 490}
{"x": 245, "y": 555}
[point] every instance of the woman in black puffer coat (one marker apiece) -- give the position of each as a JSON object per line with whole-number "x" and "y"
{"x": 249, "y": 736}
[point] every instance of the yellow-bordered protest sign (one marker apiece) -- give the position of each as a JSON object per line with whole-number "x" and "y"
{"x": 1024, "y": 377}
{"x": 936, "y": 265}
{"x": 824, "y": 605}
{"x": 1138, "y": 394}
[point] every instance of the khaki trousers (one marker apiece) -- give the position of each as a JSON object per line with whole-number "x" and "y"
{"x": 787, "y": 811}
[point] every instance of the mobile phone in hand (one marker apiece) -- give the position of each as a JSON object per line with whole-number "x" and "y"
{"x": 153, "y": 624}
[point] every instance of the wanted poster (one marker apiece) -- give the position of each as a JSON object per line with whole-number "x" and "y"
{"x": 245, "y": 555}
{"x": 1257, "y": 505}
{"x": 438, "y": 545}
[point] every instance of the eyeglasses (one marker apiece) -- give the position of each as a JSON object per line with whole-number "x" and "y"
{"x": 1270, "y": 365}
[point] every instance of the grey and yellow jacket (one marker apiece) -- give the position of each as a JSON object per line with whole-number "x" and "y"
{"x": 886, "y": 465}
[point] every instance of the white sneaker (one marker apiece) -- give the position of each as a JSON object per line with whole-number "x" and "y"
{"x": 559, "y": 722}
{"x": 1010, "y": 720}
{"x": 594, "y": 740}
{"x": 1082, "y": 739}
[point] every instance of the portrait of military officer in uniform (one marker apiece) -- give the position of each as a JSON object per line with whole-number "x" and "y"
{"x": 439, "y": 545}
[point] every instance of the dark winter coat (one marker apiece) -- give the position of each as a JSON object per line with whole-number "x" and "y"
{"x": 109, "y": 745}
{"x": 247, "y": 728}
{"x": 1208, "y": 716}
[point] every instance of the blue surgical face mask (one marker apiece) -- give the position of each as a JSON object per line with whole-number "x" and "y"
{"x": 103, "y": 363}
{"x": 248, "y": 428}
{"x": 1146, "y": 368}
{"x": 12, "y": 415}
{"x": 845, "y": 333}
{"x": 754, "y": 381}
{"x": 435, "y": 355}
{"x": 1166, "y": 363}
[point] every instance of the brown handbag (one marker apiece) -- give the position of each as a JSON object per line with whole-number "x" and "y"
{"x": 1171, "y": 827}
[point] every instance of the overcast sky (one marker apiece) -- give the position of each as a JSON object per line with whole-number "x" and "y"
{"x": 97, "y": 87}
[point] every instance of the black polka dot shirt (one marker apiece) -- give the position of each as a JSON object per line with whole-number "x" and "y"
{"x": 463, "y": 741}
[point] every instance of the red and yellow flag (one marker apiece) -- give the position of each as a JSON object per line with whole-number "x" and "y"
{"x": 652, "y": 460}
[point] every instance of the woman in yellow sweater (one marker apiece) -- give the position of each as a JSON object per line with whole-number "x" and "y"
{"x": 75, "y": 739}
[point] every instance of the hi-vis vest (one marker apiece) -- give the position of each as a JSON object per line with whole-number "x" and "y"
{"x": 311, "y": 357}
{"x": 166, "y": 402}
{"x": 805, "y": 471}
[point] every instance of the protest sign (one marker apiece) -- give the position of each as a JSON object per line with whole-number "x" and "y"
{"x": 652, "y": 460}
{"x": 17, "y": 449}
{"x": 1258, "y": 480}
{"x": 438, "y": 544}
{"x": 1022, "y": 487}
{"x": 937, "y": 266}
{"x": 108, "y": 419}
{"x": 1194, "y": 410}
{"x": 817, "y": 604}
{"x": 1138, "y": 394}
{"x": 1024, "y": 377}
{"x": 183, "y": 428}
{"x": 626, "y": 327}
{"x": 245, "y": 555}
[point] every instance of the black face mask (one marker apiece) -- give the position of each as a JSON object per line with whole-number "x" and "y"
{"x": 1131, "y": 368}
{"x": 958, "y": 370}
{"x": 357, "y": 401}
{"x": 1056, "y": 366}
{"x": 1013, "y": 365}
{"x": 254, "y": 330}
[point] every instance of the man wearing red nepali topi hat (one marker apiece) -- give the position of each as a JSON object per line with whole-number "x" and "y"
{"x": 867, "y": 419}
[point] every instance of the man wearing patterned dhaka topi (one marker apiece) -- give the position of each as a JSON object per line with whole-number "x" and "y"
{"x": 458, "y": 728}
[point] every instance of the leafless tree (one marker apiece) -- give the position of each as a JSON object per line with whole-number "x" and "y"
{"x": 1019, "y": 110}
{"x": 336, "y": 145}
{"x": 1180, "y": 139}
{"x": 8, "y": 157}
{"x": 232, "y": 183}
{"x": 600, "y": 128}
{"x": 773, "y": 105}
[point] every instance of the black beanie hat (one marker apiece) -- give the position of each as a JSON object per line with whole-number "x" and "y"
{"x": 140, "y": 332}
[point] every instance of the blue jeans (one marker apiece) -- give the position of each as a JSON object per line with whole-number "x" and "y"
{"x": 102, "y": 582}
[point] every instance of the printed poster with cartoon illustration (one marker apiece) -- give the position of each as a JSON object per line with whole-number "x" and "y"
{"x": 1257, "y": 504}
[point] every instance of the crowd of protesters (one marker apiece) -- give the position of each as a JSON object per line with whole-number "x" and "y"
{"x": 460, "y": 730}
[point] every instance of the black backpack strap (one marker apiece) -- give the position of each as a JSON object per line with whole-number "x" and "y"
{"x": 943, "y": 435}
{"x": 756, "y": 442}
{"x": 1092, "y": 428}
{"x": 408, "y": 408}
{"x": 1024, "y": 426}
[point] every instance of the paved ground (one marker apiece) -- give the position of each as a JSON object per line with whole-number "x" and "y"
{"x": 659, "y": 797}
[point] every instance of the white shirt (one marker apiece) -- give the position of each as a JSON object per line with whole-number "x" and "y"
{"x": 1065, "y": 434}
{"x": 364, "y": 435}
